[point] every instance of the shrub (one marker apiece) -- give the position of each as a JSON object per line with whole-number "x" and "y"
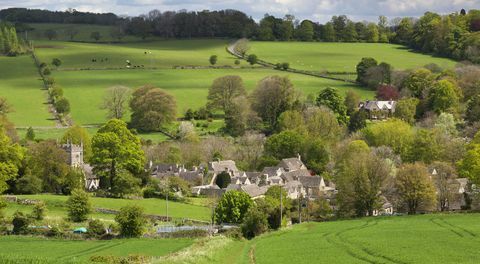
{"x": 39, "y": 210}
{"x": 79, "y": 206}
{"x": 20, "y": 223}
{"x": 285, "y": 66}
{"x": 46, "y": 71}
{"x": 237, "y": 62}
{"x": 54, "y": 232}
{"x": 254, "y": 224}
{"x": 56, "y": 62}
{"x": 62, "y": 106}
{"x": 131, "y": 221}
{"x": 213, "y": 59}
{"x": 252, "y": 59}
{"x": 96, "y": 228}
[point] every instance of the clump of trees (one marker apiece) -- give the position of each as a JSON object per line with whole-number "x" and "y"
{"x": 9, "y": 42}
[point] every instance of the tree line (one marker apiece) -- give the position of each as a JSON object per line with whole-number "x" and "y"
{"x": 454, "y": 35}
{"x": 70, "y": 16}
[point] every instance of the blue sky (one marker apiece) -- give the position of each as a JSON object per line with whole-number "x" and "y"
{"x": 317, "y": 10}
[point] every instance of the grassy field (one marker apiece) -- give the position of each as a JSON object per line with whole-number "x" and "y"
{"x": 57, "y": 208}
{"x": 70, "y": 251}
{"x": 342, "y": 57}
{"x": 189, "y": 87}
{"x": 152, "y": 54}
{"x": 85, "y": 88}
{"x": 409, "y": 239}
{"x": 21, "y": 85}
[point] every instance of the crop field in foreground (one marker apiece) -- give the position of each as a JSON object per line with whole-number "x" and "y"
{"x": 341, "y": 57}
{"x": 15, "y": 249}
{"x": 442, "y": 238}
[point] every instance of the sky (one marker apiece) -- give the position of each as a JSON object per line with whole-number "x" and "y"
{"x": 316, "y": 10}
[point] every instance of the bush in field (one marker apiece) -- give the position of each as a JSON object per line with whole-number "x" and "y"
{"x": 20, "y": 223}
{"x": 255, "y": 223}
{"x": 131, "y": 221}
{"x": 213, "y": 59}
{"x": 39, "y": 211}
{"x": 252, "y": 59}
{"x": 96, "y": 228}
{"x": 79, "y": 206}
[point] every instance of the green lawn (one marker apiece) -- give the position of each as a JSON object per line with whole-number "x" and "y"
{"x": 410, "y": 239}
{"x": 343, "y": 57}
{"x": 43, "y": 250}
{"x": 85, "y": 89}
{"x": 57, "y": 208}
{"x": 21, "y": 85}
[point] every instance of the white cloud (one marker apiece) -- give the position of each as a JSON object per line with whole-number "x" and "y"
{"x": 318, "y": 10}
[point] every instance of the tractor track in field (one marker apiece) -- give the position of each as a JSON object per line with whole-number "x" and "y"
{"x": 457, "y": 230}
{"x": 356, "y": 250}
{"x": 92, "y": 250}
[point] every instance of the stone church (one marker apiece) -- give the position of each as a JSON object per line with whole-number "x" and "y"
{"x": 75, "y": 160}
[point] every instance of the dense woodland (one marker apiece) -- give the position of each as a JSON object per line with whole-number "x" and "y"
{"x": 454, "y": 35}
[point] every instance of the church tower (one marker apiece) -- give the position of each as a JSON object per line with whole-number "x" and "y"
{"x": 75, "y": 154}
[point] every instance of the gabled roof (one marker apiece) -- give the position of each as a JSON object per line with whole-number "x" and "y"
{"x": 311, "y": 181}
{"x": 293, "y": 175}
{"x": 223, "y": 165}
{"x": 272, "y": 171}
{"x": 378, "y": 105}
{"x": 190, "y": 176}
{"x": 253, "y": 190}
{"x": 292, "y": 184}
{"x": 291, "y": 164}
{"x": 165, "y": 168}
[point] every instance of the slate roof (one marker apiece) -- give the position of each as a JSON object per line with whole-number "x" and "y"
{"x": 253, "y": 176}
{"x": 223, "y": 165}
{"x": 271, "y": 171}
{"x": 253, "y": 190}
{"x": 291, "y": 164}
{"x": 378, "y": 105}
{"x": 293, "y": 175}
{"x": 310, "y": 181}
{"x": 190, "y": 176}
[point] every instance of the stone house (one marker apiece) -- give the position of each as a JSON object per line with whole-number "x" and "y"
{"x": 378, "y": 109}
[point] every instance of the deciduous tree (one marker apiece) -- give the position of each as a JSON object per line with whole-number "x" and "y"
{"x": 152, "y": 108}
{"x": 415, "y": 188}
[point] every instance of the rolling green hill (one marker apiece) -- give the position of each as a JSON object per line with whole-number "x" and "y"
{"x": 410, "y": 239}
{"x": 21, "y": 85}
{"x": 340, "y": 57}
